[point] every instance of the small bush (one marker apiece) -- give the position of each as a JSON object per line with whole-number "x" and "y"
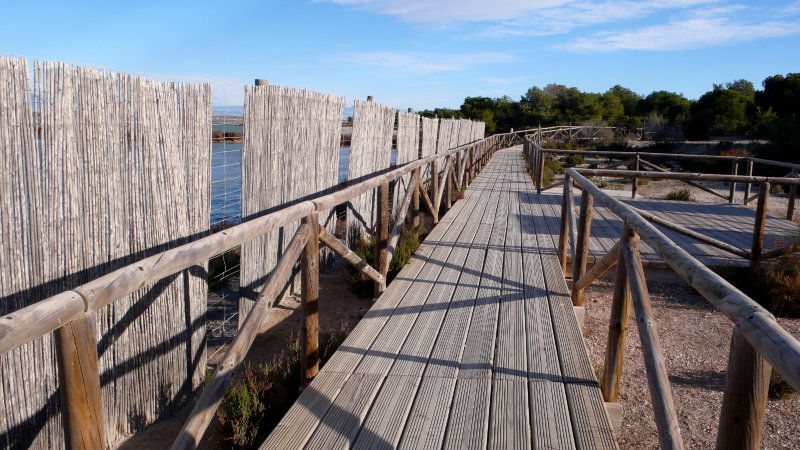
{"x": 778, "y": 387}
{"x": 643, "y": 181}
{"x": 554, "y": 166}
{"x": 681, "y": 195}
{"x": 262, "y": 394}
{"x": 774, "y": 284}
{"x": 574, "y": 160}
{"x": 407, "y": 244}
{"x": 776, "y": 189}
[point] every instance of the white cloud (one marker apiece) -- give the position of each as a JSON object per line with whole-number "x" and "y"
{"x": 695, "y": 33}
{"x": 422, "y": 63}
{"x": 447, "y": 11}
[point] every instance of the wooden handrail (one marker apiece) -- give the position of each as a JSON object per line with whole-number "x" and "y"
{"x": 37, "y": 319}
{"x": 669, "y": 433}
{"x": 757, "y": 324}
{"x": 203, "y": 411}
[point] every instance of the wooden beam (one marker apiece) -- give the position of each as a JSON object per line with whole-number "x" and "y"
{"x": 427, "y": 200}
{"x": 309, "y": 298}
{"x": 598, "y": 268}
{"x": 779, "y": 347}
{"x": 382, "y": 237}
{"x": 792, "y": 198}
{"x": 748, "y": 184}
{"x": 349, "y": 256}
{"x": 435, "y": 191}
{"x": 203, "y": 411}
{"x": 690, "y": 183}
{"x": 734, "y": 171}
{"x": 744, "y": 403}
{"x": 442, "y": 183}
{"x": 79, "y": 379}
{"x": 669, "y": 434}
{"x": 617, "y": 329}
{"x": 415, "y": 199}
{"x": 563, "y": 231}
{"x": 635, "y": 183}
{"x": 582, "y": 247}
{"x": 399, "y": 221}
{"x": 694, "y": 234}
{"x": 761, "y": 223}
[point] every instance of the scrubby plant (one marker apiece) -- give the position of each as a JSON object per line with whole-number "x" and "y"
{"x": 680, "y": 195}
{"x": 263, "y": 393}
{"x": 574, "y": 160}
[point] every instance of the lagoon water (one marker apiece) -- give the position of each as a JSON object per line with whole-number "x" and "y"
{"x": 226, "y": 180}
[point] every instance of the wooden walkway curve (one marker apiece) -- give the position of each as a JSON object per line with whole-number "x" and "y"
{"x": 474, "y": 344}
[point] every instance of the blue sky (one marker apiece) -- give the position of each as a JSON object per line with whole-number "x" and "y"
{"x": 415, "y": 53}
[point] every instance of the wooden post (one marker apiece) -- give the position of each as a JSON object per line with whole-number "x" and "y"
{"x": 669, "y": 433}
{"x": 741, "y": 419}
{"x": 582, "y": 247}
{"x": 748, "y": 184}
{"x": 79, "y": 377}
{"x": 761, "y": 222}
{"x": 635, "y": 186}
{"x": 540, "y": 172}
{"x": 435, "y": 189}
{"x": 415, "y": 199}
{"x": 369, "y": 98}
{"x": 792, "y": 197}
{"x": 448, "y": 184}
{"x": 261, "y": 82}
{"x": 617, "y": 329}
{"x": 309, "y": 293}
{"x": 734, "y": 171}
{"x": 382, "y": 236}
{"x": 564, "y": 228}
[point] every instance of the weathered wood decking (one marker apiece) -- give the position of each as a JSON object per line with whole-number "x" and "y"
{"x": 475, "y": 343}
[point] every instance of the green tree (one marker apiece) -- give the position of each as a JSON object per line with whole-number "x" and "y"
{"x": 671, "y": 106}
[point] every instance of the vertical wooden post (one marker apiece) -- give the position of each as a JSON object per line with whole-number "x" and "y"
{"x": 415, "y": 198}
{"x": 617, "y": 330}
{"x": 792, "y": 197}
{"x": 448, "y": 183}
{"x": 636, "y": 167}
{"x": 540, "y": 172}
{"x": 741, "y": 419}
{"x": 761, "y": 222}
{"x": 435, "y": 189}
{"x": 261, "y": 82}
{"x": 734, "y": 171}
{"x": 564, "y": 227}
{"x": 748, "y": 184}
{"x": 669, "y": 433}
{"x": 382, "y": 236}
{"x": 79, "y": 377}
{"x": 582, "y": 247}
{"x": 309, "y": 292}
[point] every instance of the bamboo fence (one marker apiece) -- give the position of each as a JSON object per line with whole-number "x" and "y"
{"x": 408, "y": 140}
{"x": 430, "y": 133}
{"x": 370, "y": 152}
{"x": 290, "y": 151}
{"x": 109, "y": 168}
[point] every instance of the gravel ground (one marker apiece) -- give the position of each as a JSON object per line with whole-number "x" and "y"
{"x": 695, "y": 342}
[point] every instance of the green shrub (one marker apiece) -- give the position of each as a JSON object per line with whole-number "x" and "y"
{"x": 681, "y": 195}
{"x": 642, "y": 181}
{"x": 774, "y": 284}
{"x": 574, "y": 160}
{"x": 776, "y": 189}
{"x": 407, "y": 244}
{"x": 554, "y": 166}
{"x": 263, "y": 393}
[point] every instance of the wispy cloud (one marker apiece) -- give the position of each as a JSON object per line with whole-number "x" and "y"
{"x": 498, "y": 81}
{"x": 682, "y": 35}
{"x": 423, "y": 63}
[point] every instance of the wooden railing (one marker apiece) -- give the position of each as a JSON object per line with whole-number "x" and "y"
{"x": 635, "y": 161}
{"x": 70, "y": 314}
{"x": 758, "y": 340}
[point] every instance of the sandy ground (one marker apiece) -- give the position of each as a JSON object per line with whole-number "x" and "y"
{"x": 339, "y": 308}
{"x": 695, "y": 341}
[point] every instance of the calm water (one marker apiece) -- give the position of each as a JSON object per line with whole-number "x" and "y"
{"x": 226, "y": 180}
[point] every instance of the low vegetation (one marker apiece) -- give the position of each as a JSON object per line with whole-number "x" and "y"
{"x": 263, "y": 393}
{"x": 409, "y": 241}
{"x": 682, "y": 195}
{"x": 574, "y": 160}
{"x": 774, "y": 284}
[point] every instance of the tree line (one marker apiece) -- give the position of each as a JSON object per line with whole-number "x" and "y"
{"x": 730, "y": 109}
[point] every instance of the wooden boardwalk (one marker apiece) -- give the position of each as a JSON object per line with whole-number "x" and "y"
{"x": 474, "y": 344}
{"x": 728, "y": 223}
